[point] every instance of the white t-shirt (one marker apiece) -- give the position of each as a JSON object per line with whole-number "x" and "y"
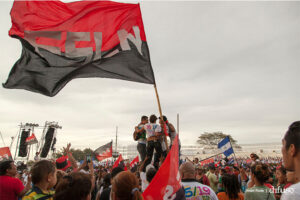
{"x": 36, "y": 158}
{"x": 25, "y": 178}
{"x": 291, "y": 193}
{"x": 195, "y": 190}
{"x": 151, "y": 129}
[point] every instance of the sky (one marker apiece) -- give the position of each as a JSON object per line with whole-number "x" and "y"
{"x": 222, "y": 66}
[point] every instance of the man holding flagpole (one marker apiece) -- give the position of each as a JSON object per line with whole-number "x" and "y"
{"x": 153, "y": 131}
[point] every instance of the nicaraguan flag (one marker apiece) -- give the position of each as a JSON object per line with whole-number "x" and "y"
{"x": 226, "y": 147}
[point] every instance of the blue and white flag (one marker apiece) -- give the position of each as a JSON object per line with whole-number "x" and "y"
{"x": 231, "y": 161}
{"x": 226, "y": 147}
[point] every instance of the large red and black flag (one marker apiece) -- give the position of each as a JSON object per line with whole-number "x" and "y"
{"x": 104, "y": 151}
{"x": 64, "y": 41}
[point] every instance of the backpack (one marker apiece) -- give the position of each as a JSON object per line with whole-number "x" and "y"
{"x": 135, "y": 136}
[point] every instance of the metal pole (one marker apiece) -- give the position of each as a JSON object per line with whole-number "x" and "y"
{"x": 160, "y": 113}
{"x": 30, "y": 146}
{"x": 41, "y": 142}
{"x": 28, "y": 153}
{"x": 2, "y": 139}
{"x": 116, "y": 139}
{"x": 177, "y": 123}
{"x": 210, "y": 157}
{"x": 12, "y": 140}
{"x": 233, "y": 150}
{"x": 18, "y": 141}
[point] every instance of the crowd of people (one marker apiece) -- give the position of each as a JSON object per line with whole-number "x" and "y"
{"x": 64, "y": 179}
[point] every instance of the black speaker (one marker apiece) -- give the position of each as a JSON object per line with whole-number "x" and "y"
{"x": 23, "y": 144}
{"x": 48, "y": 140}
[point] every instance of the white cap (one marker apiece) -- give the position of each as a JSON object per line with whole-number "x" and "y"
{"x": 149, "y": 167}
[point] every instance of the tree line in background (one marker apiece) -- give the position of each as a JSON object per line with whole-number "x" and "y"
{"x": 206, "y": 140}
{"x": 211, "y": 140}
{"x": 77, "y": 153}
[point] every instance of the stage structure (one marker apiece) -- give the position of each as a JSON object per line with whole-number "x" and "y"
{"x": 23, "y": 147}
{"x": 26, "y": 140}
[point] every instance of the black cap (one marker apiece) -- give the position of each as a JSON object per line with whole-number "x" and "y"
{"x": 164, "y": 118}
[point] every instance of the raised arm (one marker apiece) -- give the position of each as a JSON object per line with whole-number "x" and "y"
{"x": 70, "y": 156}
{"x": 188, "y": 159}
{"x": 91, "y": 168}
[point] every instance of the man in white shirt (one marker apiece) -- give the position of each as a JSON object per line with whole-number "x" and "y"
{"x": 153, "y": 131}
{"x": 291, "y": 159}
{"x": 193, "y": 189}
{"x": 36, "y": 157}
{"x": 147, "y": 176}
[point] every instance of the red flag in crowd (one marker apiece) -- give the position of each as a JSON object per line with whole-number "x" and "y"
{"x": 116, "y": 164}
{"x": 104, "y": 151}
{"x": 5, "y": 154}
{"x": 207, "y": 161}
{"x": 248, "y": 161}
{"x": 31, "y": 139}
{"x": 134, "y": 162}
{"x": 63, "y": 163}
{"x": 167, "y": 179}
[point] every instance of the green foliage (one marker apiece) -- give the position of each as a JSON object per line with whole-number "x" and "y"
{"x": 77, "y": 153}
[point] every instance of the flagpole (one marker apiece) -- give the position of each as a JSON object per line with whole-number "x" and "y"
{"x": 32, "y": 130}
{"x": 2, "y": 139}
{"x": 161, "y": 117}
{"x": 210, "y": 157}
{"x": 178, "y": 123}
{"x": 28, "y": 153}
{"x": 116, "y": 139}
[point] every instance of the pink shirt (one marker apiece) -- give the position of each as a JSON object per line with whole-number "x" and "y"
{"x": 10, "y": 188}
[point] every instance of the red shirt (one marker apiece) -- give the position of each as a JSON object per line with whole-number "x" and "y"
{"x": 204, "y": 180}
{"x": 287, "y": 185}
{"x": 10, "y": 188}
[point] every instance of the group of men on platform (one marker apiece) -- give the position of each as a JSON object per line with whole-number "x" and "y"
{"x": 150, "y": 136}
